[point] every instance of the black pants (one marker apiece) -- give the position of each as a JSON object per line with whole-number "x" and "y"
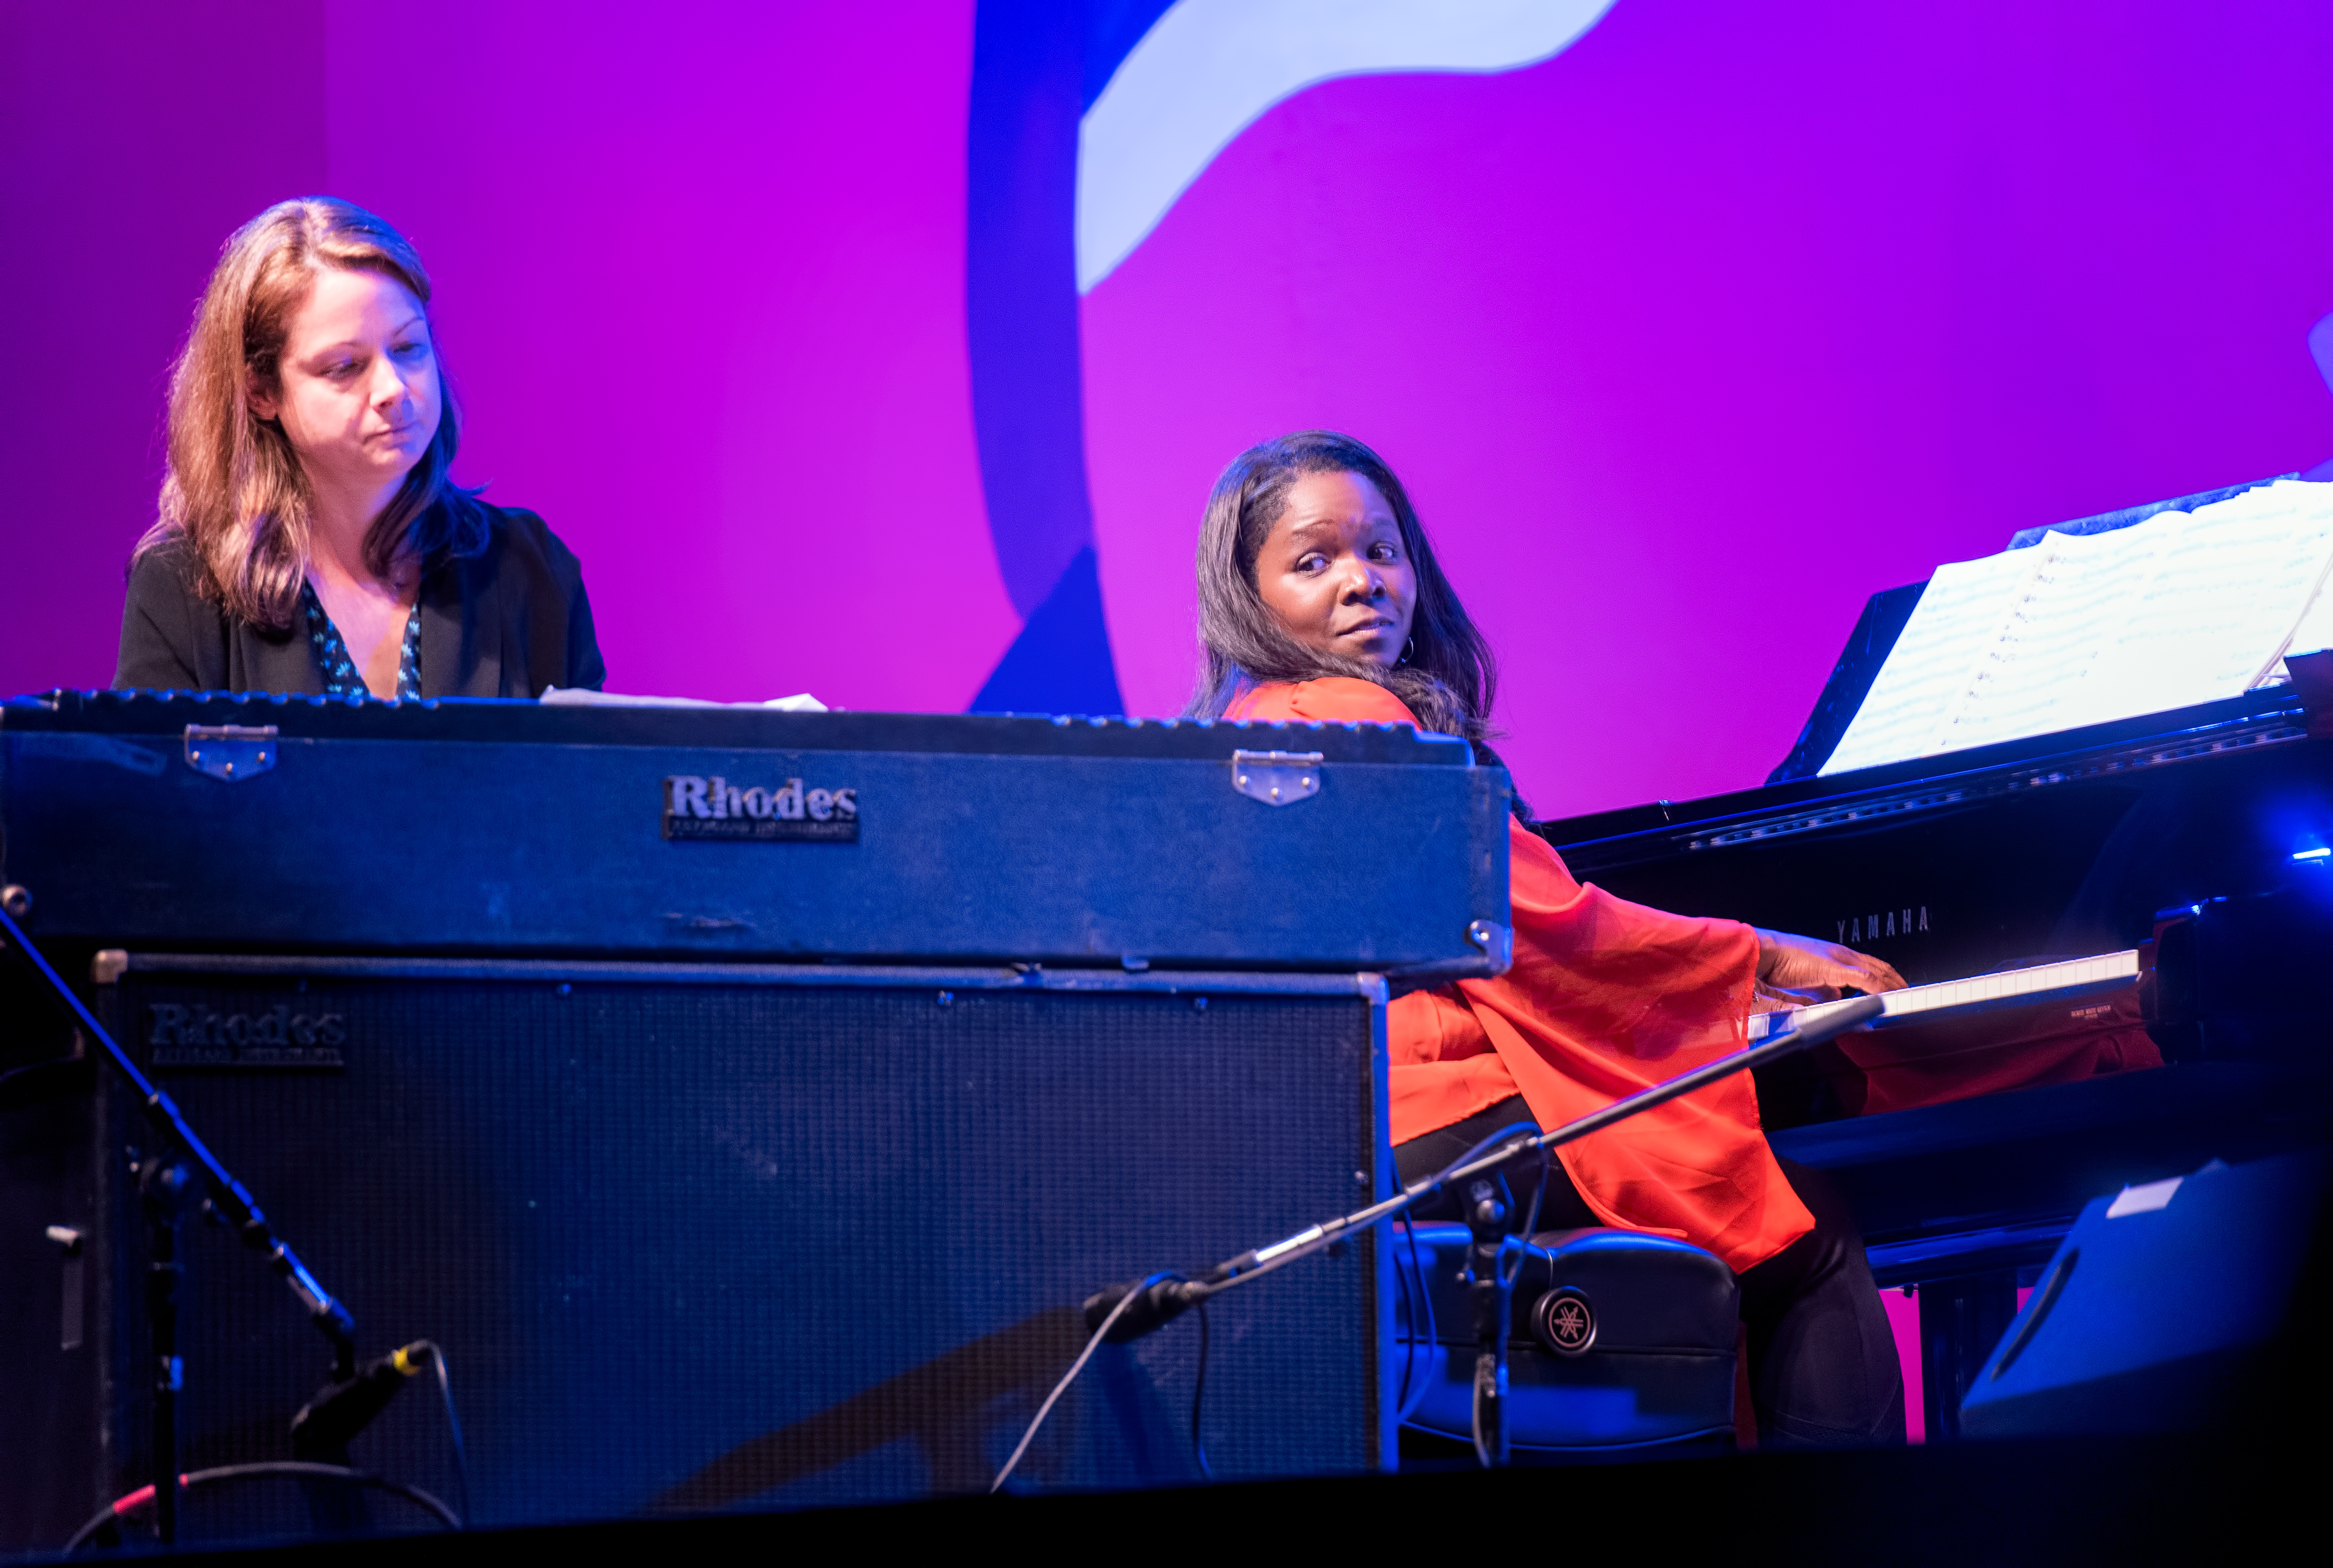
{"x": 1823, "y": 1372}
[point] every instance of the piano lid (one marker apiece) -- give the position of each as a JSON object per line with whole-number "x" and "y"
{"x": 2272, "y": 716}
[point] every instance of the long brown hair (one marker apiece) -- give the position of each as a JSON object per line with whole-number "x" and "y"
{"x": 1448, "y": 676}
{"x": 234, "y": 488}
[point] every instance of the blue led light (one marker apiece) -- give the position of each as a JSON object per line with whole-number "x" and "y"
{"x": 2312, "y": 853}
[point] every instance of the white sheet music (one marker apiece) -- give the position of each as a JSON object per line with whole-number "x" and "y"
{"x": 2081, "y": 630}
{"x": 2227, "y": 591}
{"x": 2058, "y": 631}
{"x": 1966, "y": 606}
{"x": 2315, "y": 632}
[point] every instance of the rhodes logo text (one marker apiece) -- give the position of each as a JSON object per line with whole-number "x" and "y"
{"x": 714, "y": 807}
{"x": 194, "y": 1036}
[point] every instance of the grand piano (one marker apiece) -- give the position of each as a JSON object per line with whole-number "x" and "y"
{"x": 2189, "y": 852}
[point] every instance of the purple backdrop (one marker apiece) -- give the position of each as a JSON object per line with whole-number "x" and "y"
{"x": 704, "y": 288}
{"x": 125, "y": 158}
{"x": 1687, "y": 340}
{"x": 701, "y": 284}
{"x": 1693, "y": 337}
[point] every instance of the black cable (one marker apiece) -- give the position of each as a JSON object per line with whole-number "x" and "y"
{"x": 1410, "y": 1314}
{"x": 452, "y": 1423}
{"x": 1076, "y": 1366}
{"x": 1507, "y": 1276}
{"x": 1432, "y": 1336}
{"x": 1198, "y": 1394}
{"x": 1474, "y": 1422}
{"x": 1422, "y": 1327}
{"x": 1251, "y": 1265}
{"x": 121, "y": 1508}
{"x": 34, "y": 1069}
{"x": 1531, "y": 1221}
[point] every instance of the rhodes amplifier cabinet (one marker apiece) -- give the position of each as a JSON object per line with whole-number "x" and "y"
{"x": 701, "y": 1238}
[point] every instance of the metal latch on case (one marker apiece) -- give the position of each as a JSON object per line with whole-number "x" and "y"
{"x": 1496, "y": 939}
{"x": 1276, "y": 777}
{"x": 230, "y": 751}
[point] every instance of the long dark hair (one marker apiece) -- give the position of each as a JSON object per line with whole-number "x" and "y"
{"x": 1448, "y": 677}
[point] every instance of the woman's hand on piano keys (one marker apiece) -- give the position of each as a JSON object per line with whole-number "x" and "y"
{"x": 1817, "y": 971}
{"x": 1766, "y": 998}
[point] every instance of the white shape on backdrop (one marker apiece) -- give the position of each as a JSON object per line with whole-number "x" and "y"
{"x": 1208, "y": 68}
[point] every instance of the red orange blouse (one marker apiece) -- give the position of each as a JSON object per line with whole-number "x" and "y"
{"x": 1605, "y": 997}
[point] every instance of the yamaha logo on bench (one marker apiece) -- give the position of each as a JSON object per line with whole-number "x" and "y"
{"x": 714, "y": 808}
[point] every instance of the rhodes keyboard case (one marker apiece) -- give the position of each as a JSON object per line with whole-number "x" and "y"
{"x": 258, "y": 824}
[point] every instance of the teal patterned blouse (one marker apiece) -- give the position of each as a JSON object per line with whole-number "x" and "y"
{"x": 342, "y": 678}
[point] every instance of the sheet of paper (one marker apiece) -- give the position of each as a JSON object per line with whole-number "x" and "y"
{"x": 2035, "y": 679}
{"x": 1958, "y": 619}
{"x": 584, "y": 697}
{"x": 2180, "y": 609}
{"x": 2315, "y": 632}
{"x": 2218, "y": 608}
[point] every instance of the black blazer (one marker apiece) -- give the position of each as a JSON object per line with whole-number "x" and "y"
{"x": 504, "y": 623}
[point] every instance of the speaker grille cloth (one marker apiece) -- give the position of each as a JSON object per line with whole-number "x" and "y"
{"x": 717, "y": 1244}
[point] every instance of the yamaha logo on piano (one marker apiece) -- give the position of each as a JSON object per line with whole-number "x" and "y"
{"x": 1889, "y": 923}
{"x": 714, "y": 808}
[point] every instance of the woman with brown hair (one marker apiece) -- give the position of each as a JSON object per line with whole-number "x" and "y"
{"x": 311, "y": 540}
{"x": 1319, "y": 599}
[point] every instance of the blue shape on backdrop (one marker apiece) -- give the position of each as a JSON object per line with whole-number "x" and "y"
{"x": 1113, "y": 27}
{"x": 2320, "y": 349}
{"x": 1020, "y": 288}
{"x": 1060, "y": 664}
{"x": 1037, "y": 65}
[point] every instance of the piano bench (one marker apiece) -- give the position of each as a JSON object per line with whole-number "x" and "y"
{"x": 1621, "y": 1346}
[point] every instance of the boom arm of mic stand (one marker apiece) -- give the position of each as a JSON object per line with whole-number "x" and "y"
{"x": 1170, "y": 1299}
{"x": 225, "y": 1193}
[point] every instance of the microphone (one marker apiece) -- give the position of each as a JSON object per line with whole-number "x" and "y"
{"x": 325, "y": 1424}
{"x": 1153, "y": 1308}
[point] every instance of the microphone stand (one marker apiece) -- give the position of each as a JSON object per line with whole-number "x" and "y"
{"x": 1155, "y": 1304}
{"x": 1490, "y": 1299}
{"x": 180, "y": 1172}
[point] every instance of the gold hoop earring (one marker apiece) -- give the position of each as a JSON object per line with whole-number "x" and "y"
{"x": 1408, "y": 650}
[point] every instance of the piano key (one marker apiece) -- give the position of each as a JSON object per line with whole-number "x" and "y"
{"x": 2043, "y": 982}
